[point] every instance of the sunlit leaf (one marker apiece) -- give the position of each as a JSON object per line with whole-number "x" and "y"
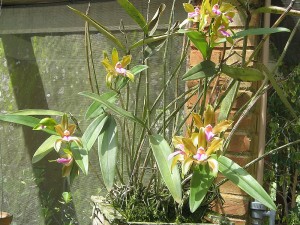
{"x": 134, "y": 14}
{"x": 242, "y": 73}
{"x": 23, "y": 120}
{"x": 37, "y": 112}
{"x": 81, "y": 157}
{"x": 153, "y": 24}
{"x": 92, "y": 131}
{"x": 152, "y": 39}
{"x": 245, "y": 181}
{"x": 103, "y": 30}
{"x": 203, "y": 69}
{"x": 96, "y": 108}
{"x": 228, "y": 101}
{"x": 113, "y": 107}
{"x": 259, "y": 31}
{"x": 107, "y": 151}
{"x": 161, "y": 150}
{"x": 46, "y": 147}
{"x": 202, "y": 179}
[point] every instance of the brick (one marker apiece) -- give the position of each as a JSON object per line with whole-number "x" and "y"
{"x": 229, "y": 187}
{"x": 234, "y": 205}
{"x": 239, "y": 143}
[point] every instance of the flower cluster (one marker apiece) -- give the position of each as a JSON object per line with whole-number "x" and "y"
{"x": 213, "y": 13}
{"x": 201, "y": 143}
{"x": 64, "y": 132}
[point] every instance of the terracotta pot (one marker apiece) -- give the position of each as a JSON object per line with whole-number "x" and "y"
{"x": 5, "y": 218}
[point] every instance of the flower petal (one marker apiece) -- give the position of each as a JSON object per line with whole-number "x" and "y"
{"x": 189, "y": 146}
{"x": 126, "y": 60}
{"x": 186, "y": 165}
{"x": 222, "y": 126}
{"x": 213, "y": 165}
{"x": 114, "y": 56}
{"x": 216, "y": 145}
{"x": 57, "y": 144}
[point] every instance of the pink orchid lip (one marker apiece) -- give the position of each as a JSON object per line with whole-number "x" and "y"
{"x": 200, "y": 157}
{"x": 216, "y": 9}
{"x": 223, "y": 32}
{"x": 64, "y": 160}
{"x": 120, "y": 69}
{"x": 195, "y": 13}
{"x": 208, "y": 132}
{"x": 172, "y": 155}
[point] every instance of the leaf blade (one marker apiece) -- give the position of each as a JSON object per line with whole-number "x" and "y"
{"x": 259, "y": 31}
{"x": 244, "y": 180}
{"x": 100, "y": 28}
{"x": 134, "y": 13}
{"x": 201, "y": 181}
{"x": 161, "y": 151}
{"x": 45, "y": 148}
{"x": 113, "y": 107}
{"x": 107, "y": 152}
{"x": 92, "y": 132}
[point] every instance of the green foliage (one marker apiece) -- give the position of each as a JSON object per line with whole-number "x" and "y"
{"x": 283, "y": 167}
{"x": 161, "y": 152}
{"x": 141, "y": 203}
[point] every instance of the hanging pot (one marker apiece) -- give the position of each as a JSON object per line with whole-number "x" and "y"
{"x": 5, "y": 218}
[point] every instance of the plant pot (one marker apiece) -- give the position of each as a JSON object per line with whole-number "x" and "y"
{"x": 5, "y": 218}
{"x": 105, "y": 214}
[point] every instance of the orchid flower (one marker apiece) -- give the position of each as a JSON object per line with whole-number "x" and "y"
{"x": 67, "y": 161}
{"x": 65, "y": 131}
{"x": 201, "y": 143}
{"x": 116, "y": 67}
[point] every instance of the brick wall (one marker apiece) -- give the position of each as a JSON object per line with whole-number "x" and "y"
{"x": 243, "y": 146}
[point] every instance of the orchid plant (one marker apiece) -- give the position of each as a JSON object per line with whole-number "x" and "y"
{"x": 199, "y": 146}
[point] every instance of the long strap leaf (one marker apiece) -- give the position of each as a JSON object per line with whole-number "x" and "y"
{"x": 102, "y": 29}
{"x": 244, "y": 180}
{"x": 161, "y": 150}
{"x": 113, "y": 107}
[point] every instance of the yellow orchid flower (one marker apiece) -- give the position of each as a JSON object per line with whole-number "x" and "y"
{"x": 117, "y": 67}
{"x": 65, "y": 130}
{"x": 201, "y": 143}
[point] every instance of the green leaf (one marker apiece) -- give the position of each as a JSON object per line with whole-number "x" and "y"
{"x": 92, "y": 131}
{"x": 44, "y": 148}
{"x": 96, "y": 108}
{"x": 204, "y": 69}
{"x": 153, "y": 24}
{"x": 202, "y": 179}
{"x": 161, "y": 150}
{"x": 228, "y": 101}
{"x": 107, "y": 151}
{"x": 102, "y": 29}
{"x": 24, "y": 120}
{"x": 199, "y": 40}
{"x": 67, "y": 197}
{"x": 277, "y": 10}
{"x": 281, "y": 93}
{"x": 242, "y": 73}
{"x": 37, "y": 112}
{"x": 151, "y": 39}
{"x": 113, "y": 107}
{"x": 81, "y": 157}
{"x": 259, "y": 31}
{"x": 244, "y": 180}
{"x": 138, "y": 68}
{"x": 134, "y": 14}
